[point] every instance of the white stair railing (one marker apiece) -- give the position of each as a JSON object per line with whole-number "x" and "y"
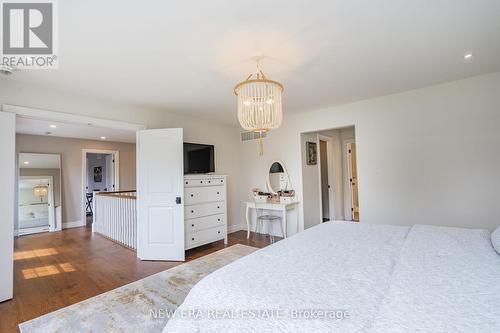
{"x": 115, "y": 217}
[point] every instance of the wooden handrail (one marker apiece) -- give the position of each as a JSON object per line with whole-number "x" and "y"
{"x": 119, "y": 194}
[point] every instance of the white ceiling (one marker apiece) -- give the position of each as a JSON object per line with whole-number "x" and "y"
{"x": 39, "y": 161}
{"x": 186, "y": 56}
{"x": 70, "y": 130}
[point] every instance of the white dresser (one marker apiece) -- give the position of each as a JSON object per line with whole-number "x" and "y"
{"x": 205, "y": 211}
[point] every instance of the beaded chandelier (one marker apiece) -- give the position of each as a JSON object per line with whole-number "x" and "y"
{"x": 259, "y": 103}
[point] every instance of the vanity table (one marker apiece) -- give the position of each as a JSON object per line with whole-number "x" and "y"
{"x": 282, "y": 207}
{"x": 277, "y": 182}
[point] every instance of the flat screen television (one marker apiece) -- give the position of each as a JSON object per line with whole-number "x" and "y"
{"x": 198, "y": 158}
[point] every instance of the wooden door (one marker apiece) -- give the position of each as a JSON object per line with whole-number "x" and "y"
{"x": 353, "y": 180}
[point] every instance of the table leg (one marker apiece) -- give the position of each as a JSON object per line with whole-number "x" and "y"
{"x": 247, "y": 216}
{"x": 284, "y": 219}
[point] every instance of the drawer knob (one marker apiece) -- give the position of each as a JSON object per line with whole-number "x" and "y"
{"x": 192, "y": 211}
{"x": 218, "y": 207}
{"x": 187, "y": 183}
{"x": 209, "y": 181}
{"x": 201, "y": 181}
{"x": 192, "y": 225}
{"x": 218, "y": 193}
{"x": 218, "y": 220}
{"x": 192, "y": 195}
{"x": 218, "y": 231}
{"x": 192, "y": 238}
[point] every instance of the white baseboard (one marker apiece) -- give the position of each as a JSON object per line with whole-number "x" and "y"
{"x": 235, "y": 227}
{"x": 74, "y": 224}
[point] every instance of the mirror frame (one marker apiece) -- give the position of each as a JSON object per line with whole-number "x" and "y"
{"x": 57, "y": 225}
{"x": 268, "y": 182}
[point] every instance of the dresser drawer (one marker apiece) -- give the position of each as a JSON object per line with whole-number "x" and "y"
{"x": 206, "y": 209}
{"x": 205, "y": 236}
{"x": 203, "y": 182}
{"x": 195, "y": 195}
{"x": 202, "y": 223}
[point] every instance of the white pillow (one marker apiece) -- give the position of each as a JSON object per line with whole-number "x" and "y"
{"x": 495, "y": 239}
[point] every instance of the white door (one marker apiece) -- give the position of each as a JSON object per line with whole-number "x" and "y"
{"x": 160, "y": 194}
{"x": 7, "y": 202}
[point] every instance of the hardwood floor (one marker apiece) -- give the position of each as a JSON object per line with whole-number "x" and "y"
{"x": 54, "y": 270}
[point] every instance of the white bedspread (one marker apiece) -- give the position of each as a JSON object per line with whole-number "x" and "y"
{"x": 384, "y": 278}
{"x": 343, "y": 267}
{"x": 447, "y": 280}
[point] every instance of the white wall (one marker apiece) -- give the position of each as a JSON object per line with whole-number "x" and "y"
{"x": 310, "y": 181}
{"x": 7, "y": 206}
{"x": 200, "y": 130}
{"x": 422, "y": 154}
{"x": 429, "y": 156}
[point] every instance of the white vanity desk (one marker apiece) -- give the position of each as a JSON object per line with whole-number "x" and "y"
{"x": 283, "y": 208}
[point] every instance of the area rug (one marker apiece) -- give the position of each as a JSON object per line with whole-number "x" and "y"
{"x": 141, "y": 306}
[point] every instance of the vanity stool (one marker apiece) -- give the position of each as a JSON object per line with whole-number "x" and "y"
{"x": 269, "y": 219}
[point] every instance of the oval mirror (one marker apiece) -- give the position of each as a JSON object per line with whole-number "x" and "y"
{"x": 277, "y": 179}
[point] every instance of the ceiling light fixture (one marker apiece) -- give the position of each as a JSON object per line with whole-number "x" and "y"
{"x": 26, "y": 162}
{"x": 53, "y": 126}
{"x": 103, "y": 138}
{"x": 41, "y": 191}
{"x": 468, "y": 56}
{"x": 259, "y": 102}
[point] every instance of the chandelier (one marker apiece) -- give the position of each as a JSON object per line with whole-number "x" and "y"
{"x": 41, "y": 191}
{"x": 259, "y": 103}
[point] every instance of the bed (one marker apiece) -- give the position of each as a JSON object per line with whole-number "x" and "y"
{"x": 33, "y": 216}
{"x": 352, "y": 277}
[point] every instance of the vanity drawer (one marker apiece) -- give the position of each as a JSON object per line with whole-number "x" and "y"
{"x": 205, "y": 236}
{"x": 206, "y": 222}
{"x": 203, "y": 182}
{"x": 196, "y": 195}
{"x": 205, "y": 209}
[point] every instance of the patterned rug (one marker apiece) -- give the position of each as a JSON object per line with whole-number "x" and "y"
{"x": 141, "y": 306}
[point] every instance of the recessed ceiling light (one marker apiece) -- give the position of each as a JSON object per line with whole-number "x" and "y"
{"x": 53, "y": 126}
{"x": 26, "y": 162}
{"x": 468, "y": 56}
{"x": 103, "y": 138}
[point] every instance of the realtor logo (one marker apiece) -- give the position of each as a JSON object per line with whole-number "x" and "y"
{"x": 28, "y": 34}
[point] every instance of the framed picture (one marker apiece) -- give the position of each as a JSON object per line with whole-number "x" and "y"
{"x": 98, "y": 174}
{"x": 312, "y": 153}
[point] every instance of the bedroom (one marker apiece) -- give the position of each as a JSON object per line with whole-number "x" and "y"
{"x": 420, "y": 83}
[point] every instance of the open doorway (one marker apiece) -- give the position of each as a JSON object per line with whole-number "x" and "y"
{"x": 100, "y": 172}
{"x": 329, "y": 176}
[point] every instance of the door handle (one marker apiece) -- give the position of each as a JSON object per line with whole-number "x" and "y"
{"x": 178, "y": 200}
